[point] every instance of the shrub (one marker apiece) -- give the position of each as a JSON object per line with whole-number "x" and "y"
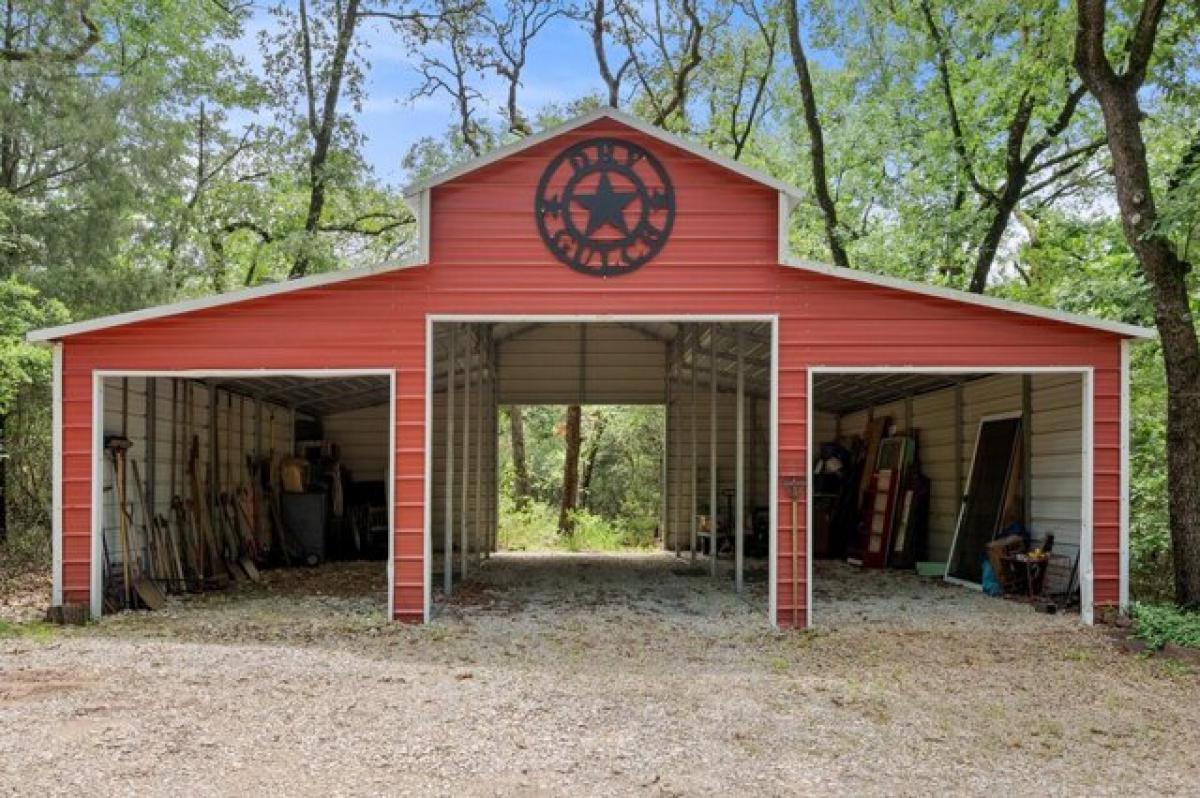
{"x": 1157, "y": 624}
{"x": 534, "y": 527}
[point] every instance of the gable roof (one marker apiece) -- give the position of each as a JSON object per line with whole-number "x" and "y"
{"x": 623, "y": 118}
{"x": 418, "y": 195}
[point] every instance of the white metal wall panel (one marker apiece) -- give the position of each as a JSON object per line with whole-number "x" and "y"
{"x": 1057, "y": 487}
{"x": 560, "y": 364}
{"x": 362, "y": 436}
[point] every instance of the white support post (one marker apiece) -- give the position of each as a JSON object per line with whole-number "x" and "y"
{"x": 56, "y": 480}
{"x": 666, "y": 448}
{"x": 712, "y": 446}
{"x": 448, "y": 521}
{"x": 464, "y": 514}
{"x": 740, "y": 486}
{"x": 695, "y": 412}
{"x": 477, "y": 516}
{"x": 672, "y": 447}
{"x": 1123, "y": 465}
{"x": 494, "y": 481}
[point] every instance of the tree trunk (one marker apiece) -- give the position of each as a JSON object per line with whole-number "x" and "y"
{"x": 322, "y": 129}
{"x": 599, "y": 422}
{"x": 570, "y": 484}
{"x": 516, "y": 428}
{"x": 1164, "y": 270}
{"x": 816, "y": 140}
{"x": 1002, "y": 213}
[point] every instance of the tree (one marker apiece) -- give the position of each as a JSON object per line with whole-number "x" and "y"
{"x": 598, "y": 421}
{"x": 816, "y": 139}
{"x": 1117, "y": 92}
{"x": 659, "y": 46}
{"x": 315, "y": 57}
{"x": 516, "y": 428}
{"x": 1025, "y": 87}
{"x": 737, "y": 80}
{"x": 22, "y": 365}
{"x": 512, "y": 32}
{"x": 572, "y": 423}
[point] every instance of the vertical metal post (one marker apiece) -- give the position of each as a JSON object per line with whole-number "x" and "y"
{"x": 477, "y": 517}
{"x": 494, "y": 489}
{"x": 464, "y": 513}
{"x": 448, "y": 521}
{"x": 712, "y": 444}
{"x": 740, "y": 480}
{"x": 664, "y": 507}
{"x": 695, "y": 351}
{"x": 959, "y": 488}
{"x": 213, "y": 454}
{"x": 151, "y": 445}
{"x": 1027, "y": 449}
{"x": 673, "y": 445}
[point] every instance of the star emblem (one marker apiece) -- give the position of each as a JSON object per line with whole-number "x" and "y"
{"x": 606, "y": 207}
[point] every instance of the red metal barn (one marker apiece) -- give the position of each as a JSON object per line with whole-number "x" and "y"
{"x": 604, "y": 261}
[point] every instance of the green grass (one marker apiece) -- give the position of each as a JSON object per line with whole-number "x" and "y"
{"x": 35, "y": 630}
{"x": 1158, "y": 624}
{"x": 534, "y": 527}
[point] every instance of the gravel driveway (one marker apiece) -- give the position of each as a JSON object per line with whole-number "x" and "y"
{"x": 590, "y": 675}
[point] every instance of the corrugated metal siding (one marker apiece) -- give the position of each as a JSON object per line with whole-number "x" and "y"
{"x": 487, "y": 258}
{"x": 562, "y": 364}
{"x": 362, "y": 437}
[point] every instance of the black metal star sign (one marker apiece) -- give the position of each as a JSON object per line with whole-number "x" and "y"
{"x": 605, "y": 207}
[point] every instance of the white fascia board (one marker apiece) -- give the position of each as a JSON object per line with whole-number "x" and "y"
{"x": 982, "y": 300}
{"x": 645, "y": 128}
{"x": 218, "y": 300}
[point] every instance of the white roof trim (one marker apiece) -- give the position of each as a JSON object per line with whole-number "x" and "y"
{"x": 1008, "y": 305}
{"x": 216, "y": 300}
{"x": 617, "y": 116}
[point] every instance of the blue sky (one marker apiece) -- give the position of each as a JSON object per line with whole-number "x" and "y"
{"x": 561, "y": 67}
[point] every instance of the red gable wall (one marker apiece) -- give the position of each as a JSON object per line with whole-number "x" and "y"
{"x": 487, "y": 258}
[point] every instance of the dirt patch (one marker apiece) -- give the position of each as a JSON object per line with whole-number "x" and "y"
{"x": 28, "y": 684}
{"x": 594, "y": 676}
{"x": 24, "y": 594}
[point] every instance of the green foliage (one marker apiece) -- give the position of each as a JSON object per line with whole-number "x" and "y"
{"x": 1158, "y": 624}
{"x": 593, "y": 532}
{"x": 534, "y": 527}
{"x": 1150, "y": 568}
{"x": 620, "y": 506}
{"x": 529, "y": 527}
{"x": 23, "y": 365}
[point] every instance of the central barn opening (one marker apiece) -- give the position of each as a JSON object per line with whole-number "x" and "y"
{"x": 700, "y": 509}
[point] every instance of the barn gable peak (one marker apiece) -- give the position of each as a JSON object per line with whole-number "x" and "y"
{"x": 414, "y": 190}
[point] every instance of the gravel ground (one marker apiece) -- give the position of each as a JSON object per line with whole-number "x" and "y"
{"x": 591, "y": 675}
